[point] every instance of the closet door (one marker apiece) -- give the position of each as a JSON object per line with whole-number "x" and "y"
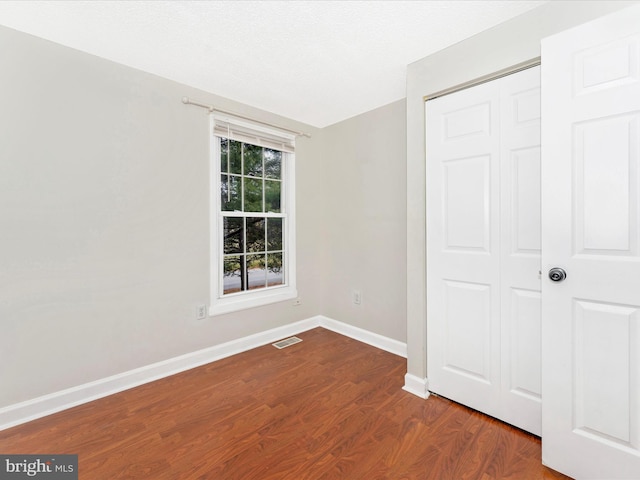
{"x": 591, "y": 209}
{"x": 483, "y": 248}
{"x": 520, "y": 251}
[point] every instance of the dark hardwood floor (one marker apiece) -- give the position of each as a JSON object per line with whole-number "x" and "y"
{"x": 327, "y": 408}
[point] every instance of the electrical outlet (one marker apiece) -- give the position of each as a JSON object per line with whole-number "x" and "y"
{"x": 201, "y": 312}
{"x": 357, "y": 297}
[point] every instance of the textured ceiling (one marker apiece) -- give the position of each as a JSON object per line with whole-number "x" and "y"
{"x": 318, "y": 62}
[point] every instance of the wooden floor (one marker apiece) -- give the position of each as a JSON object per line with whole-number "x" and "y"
{"x": 327, "y": 408}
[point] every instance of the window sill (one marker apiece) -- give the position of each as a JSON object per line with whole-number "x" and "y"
{"x": 255, "y": 299}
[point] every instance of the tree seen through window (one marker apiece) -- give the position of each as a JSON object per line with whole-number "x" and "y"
{"x": 253, "y": 223}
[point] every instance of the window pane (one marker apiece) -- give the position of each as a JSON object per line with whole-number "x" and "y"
{"x": 230, "y": 193}
{"x": 255, "y": 234}
{"x": 272, "y": 195}
{"x": 224, "y": 155}
{"x": 272, "y": 163}
{"x": 232, "y": 278}
{"x": 274, "y": 269}
{"x": 252, "y": 160}
{"x": 256, "y": 271}
{"x": 251, "y": 182}
{"x": 252, "y": 195}
{"x": 233, "y": 235}
{"x": 235, "y": 157}
{"x": 274, "y": 234}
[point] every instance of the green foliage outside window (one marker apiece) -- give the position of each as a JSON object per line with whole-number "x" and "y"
{"x": 251, "y": 181}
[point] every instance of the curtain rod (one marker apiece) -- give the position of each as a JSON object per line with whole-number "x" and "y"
{"x": 211, "y": 108}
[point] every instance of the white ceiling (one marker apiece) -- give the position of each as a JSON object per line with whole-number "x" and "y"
{"x": 317, "y": 62}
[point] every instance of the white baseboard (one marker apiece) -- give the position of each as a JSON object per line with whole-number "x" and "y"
{"x": 384, "y": 343}
{"x": 28, "y": 410}
{"x": 416, "y": 385}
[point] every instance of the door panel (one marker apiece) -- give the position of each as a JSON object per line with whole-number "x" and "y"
{"x": 525, "y": 201}
{"x": 520, "y": 392}
{"x": 483, "y": 248}
{"x": 463, "y": 258}
{"x": 606, "y": 219}
{"x": 590, "y": 177}
{"x": 468, "y": 330}
{"x": 598, "y": 326}
{"x": 471, "y": 121}
{"x": 467, "y": 200}
{"x": 524, "y": 356}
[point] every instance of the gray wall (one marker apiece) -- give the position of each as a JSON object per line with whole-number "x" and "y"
{"x": 364, "y": 225}
{"x": 104, "y": 233}
{"x": 501, "y": 47}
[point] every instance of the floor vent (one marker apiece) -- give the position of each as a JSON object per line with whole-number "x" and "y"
{"x": 287, "y": 342}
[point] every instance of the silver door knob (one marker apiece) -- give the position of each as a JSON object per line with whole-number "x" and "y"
{"x": 557, "y": 274}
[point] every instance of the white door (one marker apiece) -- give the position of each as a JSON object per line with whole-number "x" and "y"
{"x": 483, "y": 247}
{"x": 591, "y": 212}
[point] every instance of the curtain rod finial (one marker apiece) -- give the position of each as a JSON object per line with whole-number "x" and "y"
{"x": 185, "y": 100}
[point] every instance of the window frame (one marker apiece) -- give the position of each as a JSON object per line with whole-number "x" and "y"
{"x": 219, "y": 302}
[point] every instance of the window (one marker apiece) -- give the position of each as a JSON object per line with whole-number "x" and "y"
{"x": 253, "y": 244}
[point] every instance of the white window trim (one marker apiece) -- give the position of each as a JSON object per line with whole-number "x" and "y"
{"x": 220, "y": 304}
